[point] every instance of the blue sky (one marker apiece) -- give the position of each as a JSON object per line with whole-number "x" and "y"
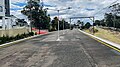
{"x": 79, "y": 7}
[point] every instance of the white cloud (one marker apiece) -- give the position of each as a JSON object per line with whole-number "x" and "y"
{"x": 78, "y": 7}
{"x": 14, "y": 1}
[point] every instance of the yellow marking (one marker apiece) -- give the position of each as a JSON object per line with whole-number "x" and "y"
{"x": 104, "y": 43}
{"x": 108, "y": 45}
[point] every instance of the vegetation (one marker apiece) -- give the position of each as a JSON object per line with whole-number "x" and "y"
{"x": 6, "y": 39}
{"x": 109, "y": 21}
{"x": 21, "y": 22}
{"x": 54, "y": 24}
{"x": 87, "y": 25}
{"x": 106, "y": 34}
{"x": 36, "y": 15}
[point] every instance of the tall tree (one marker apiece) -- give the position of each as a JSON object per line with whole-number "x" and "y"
{"x": 37, "y": 16}
{"x": 97, "y": 22}
{"x": 109, "y": 19}
{"x": 54, "y": 23}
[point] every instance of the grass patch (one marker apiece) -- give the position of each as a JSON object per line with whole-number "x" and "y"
{"x": 107, "y": 34}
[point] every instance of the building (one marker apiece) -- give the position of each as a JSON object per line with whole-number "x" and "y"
{"x": 7, "y": 8}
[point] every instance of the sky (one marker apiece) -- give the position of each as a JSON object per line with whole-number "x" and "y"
{"x": 79, "y": 8}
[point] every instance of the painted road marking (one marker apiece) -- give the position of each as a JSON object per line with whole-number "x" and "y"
{"x": 107, "y": 44}
{"x": 104, "y": 43}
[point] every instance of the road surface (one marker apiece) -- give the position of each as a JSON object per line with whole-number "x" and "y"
{"x": 74, "y": 50}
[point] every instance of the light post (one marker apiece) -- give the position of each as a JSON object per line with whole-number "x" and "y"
{"x": 58, "y": 26}
{"x": 58, "y": 39}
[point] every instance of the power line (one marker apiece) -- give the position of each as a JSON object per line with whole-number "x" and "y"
{"x": 105, "y": 7}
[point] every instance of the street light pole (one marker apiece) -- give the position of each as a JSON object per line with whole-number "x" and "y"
{"x": 58, "y": 26}
{"x": 58, "y": 20}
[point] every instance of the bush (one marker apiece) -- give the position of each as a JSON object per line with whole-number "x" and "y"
{"x": 87, "y": 25}
{"x": 2, "y": 40}
{"x": 17, "y": 37}
{"x": 31, "y": 33}
{"x": 12, "y": 38}
{"x": 6, "y": 39}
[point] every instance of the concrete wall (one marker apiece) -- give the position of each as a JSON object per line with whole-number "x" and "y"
{"x": 13, "y": 32}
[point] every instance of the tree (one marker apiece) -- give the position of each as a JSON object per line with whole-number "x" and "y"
{"x": 87, "y": 25}
{"x": 102, "y": 23}
{"x": 37, "y": 16}
{"x": 109, "y": 19}
{"x": 67, "y": 25}
{"x": 62, "y": 23}
{"x": 117, "y": 23}
{"x": 97, "y": 22}
{"x": 78, "y": 22}
{"x": 54, "y": 23}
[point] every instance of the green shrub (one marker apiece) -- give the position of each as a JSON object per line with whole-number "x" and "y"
{"x": 1, "y": 40}
{"x": 6, "y": 38}
{"x": 31, "y": 33}
{"x": 17, "y": 37}
{"x": 11, "y": 38}
{"x": 87, "y": 25}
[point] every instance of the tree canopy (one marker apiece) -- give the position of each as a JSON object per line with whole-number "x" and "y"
{"x": 36, "y": 15}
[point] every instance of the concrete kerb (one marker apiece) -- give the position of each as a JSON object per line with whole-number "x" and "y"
{"x": 103, "y": 40}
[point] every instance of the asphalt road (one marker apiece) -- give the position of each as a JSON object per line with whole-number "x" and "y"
{"x": 74, "y": 50}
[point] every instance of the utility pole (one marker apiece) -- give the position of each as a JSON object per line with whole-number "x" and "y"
{"x": 115, "y": 9}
